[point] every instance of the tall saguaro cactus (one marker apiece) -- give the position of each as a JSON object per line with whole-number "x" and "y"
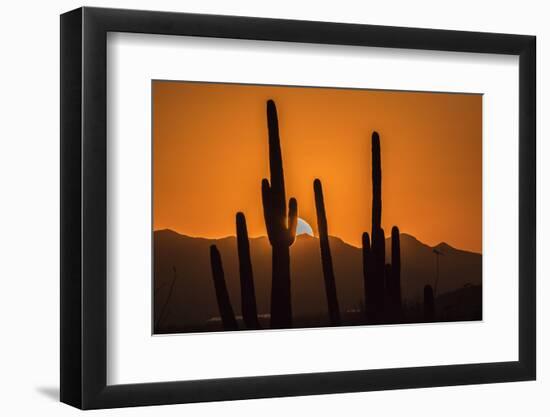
{"x": 281, "y": 228}
{"x": 378, "y": 243}
{"x": 248, "y": 294}
{"x": 378, "y": 238}
{"x": 224, "y": 304}
{"x": 326, "y": 256}
{"x": 382, "y": 282}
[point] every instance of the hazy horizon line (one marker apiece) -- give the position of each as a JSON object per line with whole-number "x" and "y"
{"x": 315, "y": 237}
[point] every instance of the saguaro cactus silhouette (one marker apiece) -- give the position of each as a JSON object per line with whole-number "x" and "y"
{"x": 224, "y": 304}
{"x": 382, "y": 283}
{"x": 326, "y": 257}
{"x": 378, "y": 238}
{"x": 376, "y": 256}
{"x": 248, "y": 294}
{"x": 429, "y": 304}
{"x": 281, "y": 228}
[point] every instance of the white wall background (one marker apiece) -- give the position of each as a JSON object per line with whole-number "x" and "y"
{"x": 29, "y": 209}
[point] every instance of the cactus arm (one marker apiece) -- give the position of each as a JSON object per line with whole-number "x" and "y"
{"x": 366, "y": 252}
{"x": 292, "y": 220}
{"x": 224, "y": 304}
{"x": 268, "y": 210}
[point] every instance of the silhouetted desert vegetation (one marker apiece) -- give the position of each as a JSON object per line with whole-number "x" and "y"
{"x": 285, "y": 281}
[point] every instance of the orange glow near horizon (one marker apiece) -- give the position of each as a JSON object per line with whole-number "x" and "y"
{"x": 210, "y": 152}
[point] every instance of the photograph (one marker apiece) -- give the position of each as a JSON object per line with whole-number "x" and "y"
{"x": 291, "y": 207}
{"x": 268, "y": 205}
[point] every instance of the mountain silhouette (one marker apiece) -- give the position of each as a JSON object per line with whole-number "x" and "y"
{"x": 186, "y": 298}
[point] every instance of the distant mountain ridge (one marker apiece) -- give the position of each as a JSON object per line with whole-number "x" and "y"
{"x": 193, "y": 298}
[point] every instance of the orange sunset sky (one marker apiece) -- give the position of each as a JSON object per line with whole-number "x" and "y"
{"x": 210, "y": 153}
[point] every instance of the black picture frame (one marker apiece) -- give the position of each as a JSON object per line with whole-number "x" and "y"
{"x": 84, "y": 197}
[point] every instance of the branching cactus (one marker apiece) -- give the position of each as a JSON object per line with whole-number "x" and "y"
{"x": 224, "y": 304}
{"x": 281, "y": 227}
{"x": 378, "y": 238}
{"x": 326, "y": 256}
{"x": 382, "y": 283}
{"x": 248, "y": 294}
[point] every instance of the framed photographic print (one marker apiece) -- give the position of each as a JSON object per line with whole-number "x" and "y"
{"x": 257, "y": 208}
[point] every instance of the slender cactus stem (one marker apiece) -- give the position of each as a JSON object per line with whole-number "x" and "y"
{"x": 226, "y": 310}
{"x": 326, "y": 256}
{"x": 248, "y": 294}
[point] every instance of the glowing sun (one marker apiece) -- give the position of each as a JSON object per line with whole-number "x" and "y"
{"x": 303, "y": 228}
